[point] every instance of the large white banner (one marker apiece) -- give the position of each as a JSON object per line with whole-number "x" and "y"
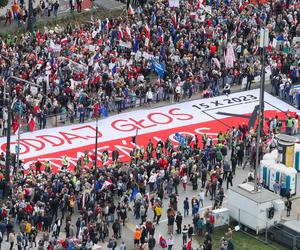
{"x": 115, "y": 132}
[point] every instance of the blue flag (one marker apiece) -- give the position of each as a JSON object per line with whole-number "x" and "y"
{"x": 180, "y": 138}
{"x": 159, "y": 69}
{"x": 104, "y": 111}
{"x": 134, "y": 193}
{"x": 153, "y": 19}
{"x": 114, "y": 70}
{"x": 136, "y": 45}
{"x": 280, "y": 38}
{"x": 174, "y": 37}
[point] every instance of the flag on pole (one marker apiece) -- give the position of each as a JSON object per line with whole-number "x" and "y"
{"x": 130, "y": 10}
{"x": 134, "y": 193}
{"x": 147, "y": 34}
{"x": 174, "y": 20}
{"x": 105, "y": 185}
{"x": 108, "y": 24}
{"x": 120, "y": 34}
{"x": 64, "y": 40}
{"x": 189, "y": 244}
{"x": 153, "y": 19}
{"x": 15, "y": 126}
{"x": 160, "y": 35}
{"x": 136, "y": 45}
{"x": 128, "y": 33}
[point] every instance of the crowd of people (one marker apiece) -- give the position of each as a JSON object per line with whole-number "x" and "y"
{"x": 102, "y": 66}
{"x": 94, "y": 205}
{"x": 106, "y": 65}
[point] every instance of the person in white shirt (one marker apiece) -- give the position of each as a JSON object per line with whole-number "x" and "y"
{"x": 149, "y": 96}
{"x": 170, "y": 242}
{"x": 201, "y": 196}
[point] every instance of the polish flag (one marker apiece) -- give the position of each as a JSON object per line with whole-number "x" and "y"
{"x": 128, "y": 32}
{"x": 198, "y": 4}
{"x": 147, "y": 33}
{"x": 105, "y": 185}
{"x": 130, "y": 10}
{"x": 174, "y": 20}
{"x": 189, "y": 245}
{"x": 31, "y": 124}
{"x": 120, "y": 34}
{"x": 64, "y": 40}
{"x": 108, "y": 24}
{"x": 15, "y": 126}
{"x": 38, "y": 37}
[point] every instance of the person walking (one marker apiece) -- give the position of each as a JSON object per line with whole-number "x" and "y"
{"x": 288, "y": 205}
{"x": 229, "y": 179}
{"x": 186, "y": 207}
{"x": 12, "y": 239}
{"x": 158, "y": 212}
{"x": 184, "y": 235}
{"x": 151, "y": 242}
{"x": 178, "y": 220}
{"x": 170, "y": 242}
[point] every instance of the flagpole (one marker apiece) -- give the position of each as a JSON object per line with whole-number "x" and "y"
{"x": 19, "y": 135}
{"x": 96, "y": 141}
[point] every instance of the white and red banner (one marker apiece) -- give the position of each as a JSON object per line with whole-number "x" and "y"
{"x": 195, "y": 118}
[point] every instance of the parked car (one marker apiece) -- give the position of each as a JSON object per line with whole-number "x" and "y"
{"x": 286, "y": 234}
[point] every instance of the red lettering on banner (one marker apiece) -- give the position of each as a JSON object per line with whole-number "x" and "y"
{"x": 53, "y": 143}
{"x": 152, "y": 115}
{"x": 182, "y": 116}
{"x": 116, "y": 125}
{"x": 69, "y": 137}
{"x": 89, "y": 127}
{"x": 140, "y": 123}
{"x": 41, "y": 144}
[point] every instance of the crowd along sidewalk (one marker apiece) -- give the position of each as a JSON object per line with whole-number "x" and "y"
{"x": 63, "y": 11}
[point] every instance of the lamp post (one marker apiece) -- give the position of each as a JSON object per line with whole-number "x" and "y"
{"x": 9, "y": 118}
{"x": 264, "y": 40}
{"x": 96, "y": 142}
{"x": 7, "y": 156}
{"x": 30, "y": 17}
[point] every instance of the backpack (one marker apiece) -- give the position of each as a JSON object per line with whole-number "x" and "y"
{"x": 72, "y": 203}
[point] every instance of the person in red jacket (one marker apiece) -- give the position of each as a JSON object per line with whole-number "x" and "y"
{"x": 8, "y": 16}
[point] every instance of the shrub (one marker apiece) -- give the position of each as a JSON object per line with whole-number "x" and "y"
{"x": 3, "y": 3}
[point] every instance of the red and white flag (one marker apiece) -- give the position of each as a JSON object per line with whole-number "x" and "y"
{"x": 108, "y": 24}
{"x": 15, "y": 126}
{"x": 105, "y": 185}
{"x": 31, "y": 124}
{"x": 189, "y": 244}
{"x": 64, "y": 40}
{"x": 128, "y": 32}
{"x": 120, "y": 34}
{"x": 147, "y": 33}
{"x": 130, "y": 10}
{"x": 174, "y": 20}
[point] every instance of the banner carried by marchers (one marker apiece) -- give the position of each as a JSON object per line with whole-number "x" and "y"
{"x": 115, "y": 132}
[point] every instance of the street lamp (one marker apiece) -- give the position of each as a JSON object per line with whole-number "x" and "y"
{"x": 264, "y": 41}
{"x": 96, "y": 141}
{"x": 9, "y": 118}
